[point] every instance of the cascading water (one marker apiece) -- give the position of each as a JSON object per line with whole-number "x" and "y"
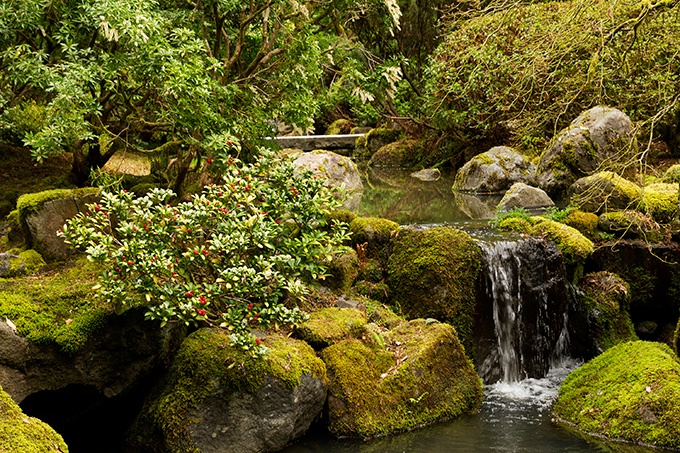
{"x": 525, "y": 296}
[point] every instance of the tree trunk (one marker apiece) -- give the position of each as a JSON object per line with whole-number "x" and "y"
{"x": 86, "y": 157}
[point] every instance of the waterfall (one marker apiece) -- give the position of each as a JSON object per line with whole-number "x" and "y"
{"x": 523, "y": 310}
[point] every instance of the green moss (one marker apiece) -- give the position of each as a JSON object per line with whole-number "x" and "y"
{"x": 661, "y": 201}
{"x": 382, "y": 315}
{"x": 340, "y": 215}
{"x": 630, "y": 224}
{"x": 328, "y": 326}
{"x": 584, "y": 222}
{"x": 376, "y": 233}
{"x": 676, "y": 339}
{"x": 27, "y": 262}
{"x": 370, "y": 270}
{"x": 22, "y": 434}
{"x": 672, "y": 174}
{"x": 32, "y": 202}
{"x": 60, "y": 309}
{"x": 606, "y": 190}
{"x": 421, "y": 376}
{"x": 433, "y": 274}
{"x": 607, "y": 297}
{"x": 631, "y": 392}
{"x": 376, "y": 291}
{"x": 340, "y": 126}
{"x": 342, "y": 271}
{"x": 207, "y": 362}
{"x": 401, "y": 153}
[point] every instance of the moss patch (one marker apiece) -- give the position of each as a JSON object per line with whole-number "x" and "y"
{"x": 397, "y": 154}
{"x": 672, "y": 175}
{"x": 420, "y": 376}
{"x": 584, "y": 222}
{"x": 328, "y": 326}
{"x": 60, "y": 308}
{"x": 205, "y": 362}
{"x": 631, "y": 392}
{"x": 32, "y": 202}
{"x": 20, "y": 433}
{"x": 660, "y": 201}
{"x": 607, "y": 300}
{"x": 630, "y": 224}
{"x": 376, "y": 233}
{"x": 433, "y": 274}
{"x": 342, "y": 271}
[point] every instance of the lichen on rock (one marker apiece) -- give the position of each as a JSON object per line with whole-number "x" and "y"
{"x": 414, "y": 375}
{"x": 631, "y": 393}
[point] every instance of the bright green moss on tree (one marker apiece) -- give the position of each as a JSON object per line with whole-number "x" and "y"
{"x": 22, "y": 434}
{"x": 631, "y": 392}
{"x": 433, "y": 274}
{"x": 419, "y": 377}
{"x": 206, "y": 362}
{"x": 60, "y": 309}
{"x": 329, "y": 325}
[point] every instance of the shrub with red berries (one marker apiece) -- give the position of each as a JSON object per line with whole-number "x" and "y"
{"x": 228, "y": 257}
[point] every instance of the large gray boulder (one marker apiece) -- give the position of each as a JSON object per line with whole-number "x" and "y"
{"x": 43, "y": 213}
{"x": 604, "y": 191}
{"x": 494, "y": 171}
{"x": 338, "y": 172}
{"x": 524, "y": 196}
{"x": 600, "y": 137}
{"x": 220, "y": 399}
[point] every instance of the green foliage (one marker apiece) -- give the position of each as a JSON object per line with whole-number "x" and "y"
{"x": 527, "y": 70}
{"x": 557, "y": 214}
{"x": 226, "y": 258}
{"x": 517, "y": 212}
{"x": 25, "y": 434}
{"x": 631, "y": 392}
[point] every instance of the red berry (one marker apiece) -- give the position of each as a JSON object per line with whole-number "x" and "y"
{"x": 257, "y": 341}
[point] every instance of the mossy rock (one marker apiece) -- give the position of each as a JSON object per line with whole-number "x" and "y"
{"x": 370, "y": 270}
{"x": 328, "y": 326}
{"x": 376, "y": 291}
{"x": 676, "y": 338}
{"x": 27, "y": 262}
{"x": 22, "y": 434}
{"x": 32, "y": 202}
{"x": 672, "y": 175}
{"x": 340, "y": 216}
{"x": 59, "y": 309}
{"x": 376, "y": 233}
{"x": 630, "y": 224}
{"x": 585, "y": 222}
{"x": 494, "y": 171}
{"x": 574, "y": 246}
{"x": 211, "y": 382}
{"x": 604, "y": 191}
{"x": 607, "y": 301}
{"x": 340, "y": 126}
{"x": 383, "y": 316}
{"x": 414, "y": 375}
{"x": 660, "y": 201}
{"x": 433, "y": 274}
{"x": 399, "y": 154}
{"x": 631, "y": 393}
{"x": 342, "y": 271}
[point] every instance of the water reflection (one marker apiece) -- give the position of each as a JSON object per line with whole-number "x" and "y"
{"x": 514, "y": 418}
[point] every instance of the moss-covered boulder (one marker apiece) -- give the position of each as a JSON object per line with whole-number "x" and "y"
{"x": 671, "y": 175}
{"x": 376, "y": 233}
{"x": 340, "y": 126}
{"x": 630, "y": 224}
{"x": 433, "y": 273}
{"x": 574, "y": 246}
{"x": 604, "y": 191}
{"x": 414, "y": 375}
{"x": 375, "y": 291}
{"x": 631, "y": 393}
{"x": 330, "y": 325}
{"x": 342, "y": 271}
{"x": 660, "y": 201}
{"x": 22, "y": 434}
{"x": 43, "y": 213}
{"x": 598, "y": 135}
{"x": 585, "y": 222}
{"x": 217, "y": 398}
{"x": 399, "y": 154}
{"x": 374, "y": 140}
{"x": 606, "y": 302}
{"x": 494, "y": 171}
